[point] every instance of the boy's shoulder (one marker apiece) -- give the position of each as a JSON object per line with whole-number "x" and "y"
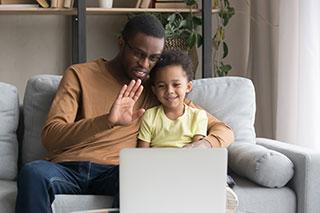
{"x": 152, "y": 113}
{"x": 194, "y": 109}
{"x": 153, "y": 110}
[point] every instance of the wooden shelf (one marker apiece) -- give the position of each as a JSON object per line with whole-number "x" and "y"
{"x": 120, "y": 11}
{"x": 91, "y": 11}
{"x": 37, "y": 11}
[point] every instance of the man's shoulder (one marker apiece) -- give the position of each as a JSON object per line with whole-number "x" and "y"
{"x": 93, "y": 65}
{"x": 86, "y": 73}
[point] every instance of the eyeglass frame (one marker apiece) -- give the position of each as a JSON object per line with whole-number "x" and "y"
{"x": 141, "y": 55}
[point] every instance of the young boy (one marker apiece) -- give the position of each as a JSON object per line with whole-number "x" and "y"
{"x": 173, "y": 123}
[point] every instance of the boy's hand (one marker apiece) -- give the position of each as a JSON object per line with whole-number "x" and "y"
{"x": 121, "y": 112}
{"x": 202, "y": 144}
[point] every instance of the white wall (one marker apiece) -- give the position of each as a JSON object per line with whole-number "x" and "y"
{"x": 31, "y": 45}
{"x": 41, "y": 44}
{"x": 37, "y": 44}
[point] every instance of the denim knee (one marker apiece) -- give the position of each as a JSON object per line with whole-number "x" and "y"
{"x": 29, "y": 170}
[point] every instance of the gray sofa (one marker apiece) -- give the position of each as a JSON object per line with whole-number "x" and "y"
{"x": 270, "y": 176}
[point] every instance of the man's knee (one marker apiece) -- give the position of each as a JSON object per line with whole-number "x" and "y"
{"x": 33, "y": 171}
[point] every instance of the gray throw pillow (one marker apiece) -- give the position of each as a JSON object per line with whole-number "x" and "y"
{"x": 231, "y": 100}
{"x": 9, "y": 119}
{"x": 261, "y": 165}
{"x": 38, "y": 96}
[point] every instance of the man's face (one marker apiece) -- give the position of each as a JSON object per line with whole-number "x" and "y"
{"x": 140, "y": 54}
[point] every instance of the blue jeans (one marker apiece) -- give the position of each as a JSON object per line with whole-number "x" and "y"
{"x": 39, "y": 182}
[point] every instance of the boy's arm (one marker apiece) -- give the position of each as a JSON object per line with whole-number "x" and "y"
{"x": 143, "y": 144}
{"x": 197, "y": 138}
{"x": 219, "y": 134}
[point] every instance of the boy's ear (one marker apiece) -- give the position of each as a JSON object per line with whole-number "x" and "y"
{"x": 189, "y": 86}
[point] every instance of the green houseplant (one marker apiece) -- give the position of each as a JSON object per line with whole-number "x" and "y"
{"x": 184, "y": 28}
{"x": 218, "y": 41}
{"x": 182, "y": 31}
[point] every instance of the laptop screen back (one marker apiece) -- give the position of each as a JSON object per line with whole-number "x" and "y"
{"x": 173, "y": 180}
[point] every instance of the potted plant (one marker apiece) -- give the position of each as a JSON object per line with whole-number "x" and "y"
{"x": 182, "y": 32}
{"x": 183, "y": 26}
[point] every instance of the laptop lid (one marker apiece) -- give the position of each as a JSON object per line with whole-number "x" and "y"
{"x": 173, "y": 180}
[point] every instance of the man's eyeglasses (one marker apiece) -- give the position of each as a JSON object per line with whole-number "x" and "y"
{"x": 141, "y": 55}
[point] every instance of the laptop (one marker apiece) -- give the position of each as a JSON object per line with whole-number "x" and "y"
{"x": 168, "y": 180}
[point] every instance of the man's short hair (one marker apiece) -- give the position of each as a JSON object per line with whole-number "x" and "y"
{"x": 173, "y": 57}
{"x": 143, "y": 23}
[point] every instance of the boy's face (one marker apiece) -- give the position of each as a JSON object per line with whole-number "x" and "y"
{"x": 171, "y": 86}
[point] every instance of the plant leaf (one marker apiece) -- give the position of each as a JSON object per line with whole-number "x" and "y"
{"x": 192, "y": 39}
{"x": 190, "y": 2}
{"x": 199, "y": 40}
{"x": 171, "y": 18}
{"x": 197, "y": 20}
{"x": 225, "y": 68}
{"x": 225, "y": 50}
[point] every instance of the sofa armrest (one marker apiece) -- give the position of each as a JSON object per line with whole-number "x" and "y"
{"x": 306, "y": 181}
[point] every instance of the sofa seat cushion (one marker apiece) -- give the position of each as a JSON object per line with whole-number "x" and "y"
{"x": 9, "y": 119}
{"x": 68, "y": 203}
{"x": 8, "y": 193}
{"x": 230, "y": 99}
{"x": 261, "y": 165}
{"x": 255, "y": 198}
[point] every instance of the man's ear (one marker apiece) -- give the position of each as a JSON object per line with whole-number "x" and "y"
{"x": 153, "y": 88}
{"x": 189, "y": 86}
{"x": 121, "y": 42}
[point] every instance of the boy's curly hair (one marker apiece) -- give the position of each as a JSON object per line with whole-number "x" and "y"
{"x": 173, "y": 57}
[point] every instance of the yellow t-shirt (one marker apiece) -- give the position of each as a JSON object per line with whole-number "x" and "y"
{"x": 161, "y": 131}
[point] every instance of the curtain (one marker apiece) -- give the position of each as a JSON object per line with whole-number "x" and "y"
{"x": 276, "y": 43}
{"x": 298, "y": 99}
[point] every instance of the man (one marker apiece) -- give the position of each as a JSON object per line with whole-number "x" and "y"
{"x": 93, "y": 116}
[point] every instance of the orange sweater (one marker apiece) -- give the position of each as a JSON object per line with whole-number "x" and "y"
{"x": 77, "y": 128}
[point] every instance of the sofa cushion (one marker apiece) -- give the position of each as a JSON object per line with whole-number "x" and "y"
{"x": 71, "y": 203}
{"x": 259, "y": 199}
{"x": 38, "y": 96}
{"x": 8, "y": 194}
{"x": 230, "y": 99}
{"x": 261, "y": 165}
{"x": 9, "y": 119}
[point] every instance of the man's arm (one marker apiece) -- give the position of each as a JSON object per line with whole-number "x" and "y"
{"x": 219, "y": 134}
{"x": 62, "y": 130}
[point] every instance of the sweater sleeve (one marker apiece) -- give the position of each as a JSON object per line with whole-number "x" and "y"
{"x": 62, "y": 129}
{"x": 219, "y": 134}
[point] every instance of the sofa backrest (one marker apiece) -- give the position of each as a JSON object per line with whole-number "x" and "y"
{"x": 230, "y": 99}
{"x": 9, "y": 118}
{"x": 38, "y": 96}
